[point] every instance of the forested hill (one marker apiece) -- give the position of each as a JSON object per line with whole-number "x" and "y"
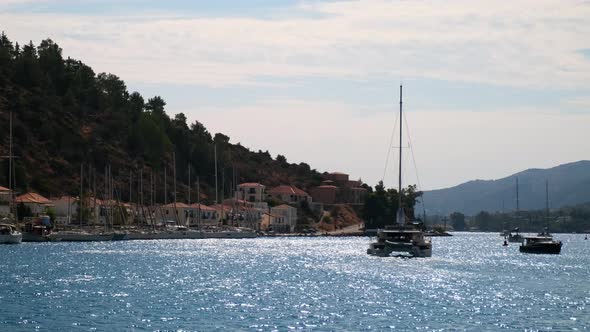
{"x": 568, "y": 184}
{"x": 65, "y": 116}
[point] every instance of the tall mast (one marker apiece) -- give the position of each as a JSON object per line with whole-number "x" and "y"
{"x": 400, "y": 214}
{"x": 94, "y": 196}
{"x": 165, "y": 186}
{"x": 190, "y": 210}
{"x": 400, "y": 149}
{"x": 174, "y": 174}
{"x": 517, "y": 201}
{"x": 216, "y": 195}
{"x": 81, "y": 200}
{"x": 10, "y": 188}
{"x": 198, "y": 204}
{"x": 547, "y": 196}
{"x": 105, "y": 197}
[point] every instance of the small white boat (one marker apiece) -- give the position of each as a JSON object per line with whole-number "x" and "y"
{"x": 9, "y": 234}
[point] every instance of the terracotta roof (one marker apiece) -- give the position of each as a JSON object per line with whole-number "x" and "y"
{"x": 202, "y": 207}
{"x": 287, "y": 190}
{"x": 178, "y": 205}
{"x": 225, "y": 207}
{"x": 4, "y": 189}
{"x": 232, "y": 201}
{"x": 251, "y": 184}
{"x": 32, "y": 198}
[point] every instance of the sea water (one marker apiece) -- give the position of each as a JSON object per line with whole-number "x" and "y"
{"x": 470, "y": 283}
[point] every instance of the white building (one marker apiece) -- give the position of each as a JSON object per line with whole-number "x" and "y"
{"x": 251, "y": 192}
{"x": 286, "y": 218}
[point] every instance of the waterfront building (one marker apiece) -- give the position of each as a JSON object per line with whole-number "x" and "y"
{"x": 287, "y": 218}
{"x": 251, "y": 192}
{"x": 37, "y": 203}
{"x": 290, "y": 194}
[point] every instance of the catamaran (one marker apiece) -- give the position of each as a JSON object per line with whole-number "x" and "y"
{"x": 405, "y": 237}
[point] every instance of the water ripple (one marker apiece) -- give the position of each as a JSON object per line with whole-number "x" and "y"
{"x": 471, "y": 283}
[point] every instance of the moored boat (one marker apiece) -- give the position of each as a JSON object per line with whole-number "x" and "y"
{"x": 9, "y": 234}
{"x": 514, "y": 236}
{"x": 540, "y": 245}
{"x": 403, "y": 238}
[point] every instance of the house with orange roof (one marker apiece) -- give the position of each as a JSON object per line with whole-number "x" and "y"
{"x": 174, "y": 212}
{"x": 37, "y": 203}
{"x": 290, "y": 194}
{"x": 203, "y": 215}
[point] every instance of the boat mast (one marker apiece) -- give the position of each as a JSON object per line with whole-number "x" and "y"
{"x": 216, "y": 193}
{"x": 399, "y": 190}
{"x": 517, "y": 201}
{"x": 81, "y": 200}
{"x": 198, "y": 204}
{"x": 547, "y": 197}
{"x": 190, "y": 210}
{"x": 10, "y": 188}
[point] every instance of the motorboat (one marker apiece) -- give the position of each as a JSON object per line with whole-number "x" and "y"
{"x": 9, "y": 234}
{"x": 514, "y": 236}
{"x": 540, "y": 245}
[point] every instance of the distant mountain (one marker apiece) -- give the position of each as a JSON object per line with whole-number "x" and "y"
{"x": 569, "y": 184}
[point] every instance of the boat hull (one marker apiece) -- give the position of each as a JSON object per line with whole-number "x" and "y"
{"x": 545, "y": 248}
{"x": 11, "y": 238}
{"x": 31, "y": 237}
{"x": 400, "y": 249}
{"x": 75, "y": 237}
{"x": 515, "y": 238}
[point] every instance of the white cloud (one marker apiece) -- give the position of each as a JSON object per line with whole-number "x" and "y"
{"x": 520, "y": 43}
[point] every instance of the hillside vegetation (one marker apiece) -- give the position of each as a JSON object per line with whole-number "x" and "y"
{"x": 65, "y": 115}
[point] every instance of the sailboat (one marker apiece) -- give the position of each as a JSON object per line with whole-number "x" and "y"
{"x": 8, "y": 232}
{"x": 514, "y": 235}
{"x": 405, "y": 237}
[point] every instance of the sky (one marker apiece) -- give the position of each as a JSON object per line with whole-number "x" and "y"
{"x": 490, "y": 87}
